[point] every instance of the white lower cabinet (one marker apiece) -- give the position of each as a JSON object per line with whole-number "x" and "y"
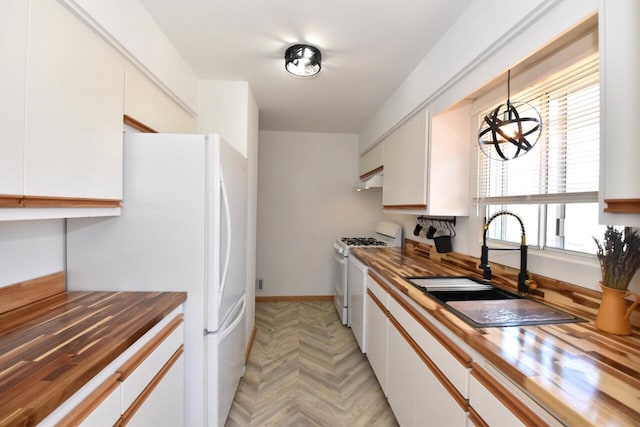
{"x": 489, "y": 408}
{"x": 109, "y": 409}
{"x": 433, "y": 403}
{"x": 163, "y": 405}
{"x": 144, "y": 386}
{"x": 152, "y": 381}
{"x": 498, "y": 402}
{"x": 429, "y": 376}
{"x": 376, "y": 338}
{"x": 454, "y": 366}
{"x": 401, "y": 384}
{"x": 148, "y": 362}
{"x": 416, "y": 395}
{"x": 401, "y": 357}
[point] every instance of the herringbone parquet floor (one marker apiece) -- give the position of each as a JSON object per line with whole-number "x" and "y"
{"x": 305, "y": 369}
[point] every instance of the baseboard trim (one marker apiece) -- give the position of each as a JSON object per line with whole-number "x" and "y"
{"x": 295, "y": 298}
{"x": 247, "y": 352}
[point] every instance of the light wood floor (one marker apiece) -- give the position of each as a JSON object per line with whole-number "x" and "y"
{"x": 305, "y": 369}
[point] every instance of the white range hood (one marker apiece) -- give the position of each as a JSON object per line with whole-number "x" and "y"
{"x": 372, "y": 184}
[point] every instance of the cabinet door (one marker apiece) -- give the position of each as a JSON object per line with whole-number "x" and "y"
{"x": 164, "y": 405}
{"x": 403, "y": 367}
{"x": 405, "y": 165}
{"x": 106, "y": 413}
{"x": 14, "y": 17}
{"x": 372, "y": 161}
{"x": 434, "y": 404}
{"x": 620, "y": 105}
{"x": 487, "y": 405}
{"x": 376, "y": 331}
{"x": 448, "y": 192}
{"x": 446, "y": 358}
{"x": 139, "y": 372}
{"x": 496, "y": 405}
{"x": 74, "y": 108}
{"x": 357, "y": 291}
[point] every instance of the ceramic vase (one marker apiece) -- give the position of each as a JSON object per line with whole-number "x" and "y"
{"x": 613, "y": 314}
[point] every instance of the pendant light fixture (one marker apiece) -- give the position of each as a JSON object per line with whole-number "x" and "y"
{"x": 510, "y": 130}
{"x": 302, "y": 60}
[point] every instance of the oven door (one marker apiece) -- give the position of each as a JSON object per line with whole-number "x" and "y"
{"x": 340, "y": 291}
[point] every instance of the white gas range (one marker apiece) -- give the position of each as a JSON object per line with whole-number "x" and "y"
{"x": 386, "y": 234}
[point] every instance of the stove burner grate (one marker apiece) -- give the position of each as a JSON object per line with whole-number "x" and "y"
{"x": 362, "y": 241}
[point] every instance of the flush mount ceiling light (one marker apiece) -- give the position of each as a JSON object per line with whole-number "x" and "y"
{"x": 302, "y": 60}
{"x": 510, "y": 130}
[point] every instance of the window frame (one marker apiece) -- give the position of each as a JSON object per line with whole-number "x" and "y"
{"x": 543, "y": 200}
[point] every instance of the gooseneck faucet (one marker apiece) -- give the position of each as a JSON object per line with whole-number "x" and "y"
{"x": 523, "y": 276}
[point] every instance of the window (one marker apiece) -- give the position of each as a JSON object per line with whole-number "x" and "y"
{"x": 554, "y": 187}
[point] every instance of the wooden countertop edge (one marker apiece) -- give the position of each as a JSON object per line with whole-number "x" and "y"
{"x": 475, "y": 337}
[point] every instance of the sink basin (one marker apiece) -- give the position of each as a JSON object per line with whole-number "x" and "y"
{"x": 448, "y": 283}
{"x": 483, "y": 305}
{"x": 462, "y": 288}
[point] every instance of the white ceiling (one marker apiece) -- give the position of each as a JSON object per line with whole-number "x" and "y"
{"x": 368, "y": 48}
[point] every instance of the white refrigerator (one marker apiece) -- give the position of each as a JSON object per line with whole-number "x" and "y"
{"x": 182, "y": 228}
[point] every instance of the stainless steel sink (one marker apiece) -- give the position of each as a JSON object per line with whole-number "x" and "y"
{"x": 482, "y": 305}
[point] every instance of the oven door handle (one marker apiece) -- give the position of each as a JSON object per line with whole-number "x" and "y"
{"x": 339, "y": 258}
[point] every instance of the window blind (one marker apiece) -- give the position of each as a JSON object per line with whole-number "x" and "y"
{"x": 564, "y": 165}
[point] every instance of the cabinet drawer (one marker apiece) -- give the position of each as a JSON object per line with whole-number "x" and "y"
{"x": 489, "y": 408}
{"x": 138, "y": 372}
{"x": 107, "y": 411}
{"x": 496, "y": 405}
{"x": 456, "y": 372}
{"x": 99, "y": 408}
{"x": 159, "y": 404}
{"x": 377, "y": 329}
{"x": 377, "y": 289}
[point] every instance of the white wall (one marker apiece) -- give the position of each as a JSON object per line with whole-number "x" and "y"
{"x": 306, "y": 200}
{"x": 30, "y": 249}
{"x": 252, "y": 214}
{"x": 477, "y": 47}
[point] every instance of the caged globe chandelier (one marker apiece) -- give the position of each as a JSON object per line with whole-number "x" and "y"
{"x": 510, "y": 130}
{"x": 302, "y": 60}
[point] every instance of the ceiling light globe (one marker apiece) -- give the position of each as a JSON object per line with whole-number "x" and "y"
{"x": 303, "y": 60}
{"x": 509, "y": 131}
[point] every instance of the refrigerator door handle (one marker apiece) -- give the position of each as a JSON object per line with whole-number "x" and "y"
{"x": 225, "y": 270}
{"x": 226, "y": 331}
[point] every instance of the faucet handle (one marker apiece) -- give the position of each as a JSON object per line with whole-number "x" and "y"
{"x": 531, "y": 284}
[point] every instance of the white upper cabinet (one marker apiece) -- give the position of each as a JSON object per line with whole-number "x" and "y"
{"x": 426, "y": 164}
{"x": 405, "y": 164}
{"x": 74, "y": 109}
{"x": 451, "y": 139}
{"x": 620, "y": 105}
{"x": 14, "y": 16}
{"x": 372, "y": 161}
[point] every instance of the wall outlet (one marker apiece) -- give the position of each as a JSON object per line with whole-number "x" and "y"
{"x": 259, "y": 285}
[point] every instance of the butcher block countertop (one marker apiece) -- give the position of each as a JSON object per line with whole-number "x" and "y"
{"x": 581, "y": 375}
{"x": 50, "y": 348}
